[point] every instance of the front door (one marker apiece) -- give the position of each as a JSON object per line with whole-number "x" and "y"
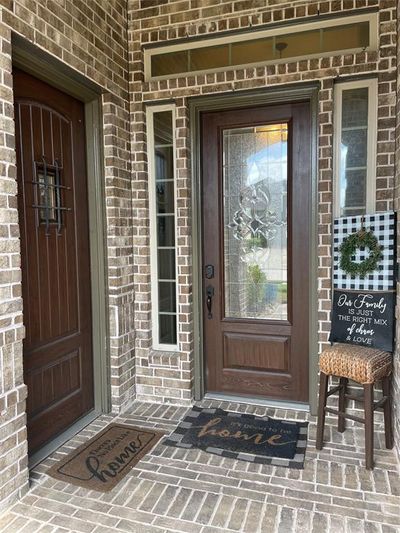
{"x": 53, "y": 216}
{"x": 256, "y": 167}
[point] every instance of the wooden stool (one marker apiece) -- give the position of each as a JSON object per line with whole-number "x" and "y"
{"x": 365, "y": 366}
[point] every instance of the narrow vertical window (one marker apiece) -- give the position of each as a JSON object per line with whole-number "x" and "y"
{"x": 161, "y": 156}
{"x": 355, "y": 146}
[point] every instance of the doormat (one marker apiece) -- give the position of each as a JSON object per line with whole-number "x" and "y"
{"x": 101, "y": 462}
{"x": 240, "y": 436}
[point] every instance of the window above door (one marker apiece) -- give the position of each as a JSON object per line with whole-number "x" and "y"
{"x": 324, "y": 37}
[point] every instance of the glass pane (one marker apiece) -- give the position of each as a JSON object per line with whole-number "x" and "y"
{"x": 47, "y": 195}
{"x": 164, "y": 163}
{"x": 352, "y": 212}
{"x": 167, "y": 296}
{"x": 165, "y": 197}
{"x": 166, "y": 230}
{"x": 345, "y": 37}
{"x": 172, "y": 63}
{"x": 353, "y": 151}
{"x": 166, "y": 264}
{"x": 252, "y": 51}
{"x": 209, "y": 57}
{"x": 355, "y": 107}
{"x": 255, "y": 221}
{"x": 298, "y": 44}
{"x": 163, "y": 128}
{"x": 167, "y": 329}
{"x": 354, "y": 147}
{"x": 355, "y": 193}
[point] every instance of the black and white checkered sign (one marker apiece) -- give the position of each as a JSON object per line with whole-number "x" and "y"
{"x": 383, "y": 227}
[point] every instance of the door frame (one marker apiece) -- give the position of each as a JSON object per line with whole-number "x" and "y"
{"x": 252, "y": 98}
{"x": 38, "y": 63}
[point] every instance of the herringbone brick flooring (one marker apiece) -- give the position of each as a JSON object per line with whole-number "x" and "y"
{"x": 191, "y": 491}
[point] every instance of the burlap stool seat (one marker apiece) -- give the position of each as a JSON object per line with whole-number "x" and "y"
{"x": 360, "y": 364}
{"x": 365, "y": 366}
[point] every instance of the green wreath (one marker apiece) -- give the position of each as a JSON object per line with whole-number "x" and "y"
{"x": 360, "y": 239}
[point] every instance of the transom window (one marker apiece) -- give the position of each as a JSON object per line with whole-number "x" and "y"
{"x": 312, "y": 39}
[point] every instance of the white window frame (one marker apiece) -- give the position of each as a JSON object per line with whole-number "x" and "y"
{"x": 372, "y": 85}
{"x": 153, "y": 225}
{"x": 371, "y": 17}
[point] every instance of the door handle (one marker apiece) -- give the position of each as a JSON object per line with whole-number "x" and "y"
{"x": 210, "y": 294}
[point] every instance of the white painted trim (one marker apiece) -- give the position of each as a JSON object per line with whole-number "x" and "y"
{"x": 253, "y": 33}
{"x": 372, "y": 85}
{"x": 153, "y": 226}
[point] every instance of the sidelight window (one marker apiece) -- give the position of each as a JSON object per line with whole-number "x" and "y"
{"x": 161, "y": 157}
{"x": 355, "y": 147}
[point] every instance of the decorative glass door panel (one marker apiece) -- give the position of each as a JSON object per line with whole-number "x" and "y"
{"x": 256, "y": 190}
{"x": 255, "y": 193}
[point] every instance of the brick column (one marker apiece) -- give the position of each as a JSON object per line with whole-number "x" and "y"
{"x": 118, "y": 190}
{"x": 13, "y": 443}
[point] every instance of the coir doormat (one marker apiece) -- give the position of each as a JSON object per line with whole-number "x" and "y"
{"x": 106, "y": 458}
{"x": 241, "y": 436}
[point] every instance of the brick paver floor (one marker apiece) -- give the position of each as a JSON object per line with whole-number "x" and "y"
{"x": 192, "y": 491}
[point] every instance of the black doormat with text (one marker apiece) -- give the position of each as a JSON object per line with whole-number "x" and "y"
{"x": 241, "y": 436}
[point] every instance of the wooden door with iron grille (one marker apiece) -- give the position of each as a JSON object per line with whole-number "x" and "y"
{"x": 53, "y": 214}
{"x": 256, "y": 166}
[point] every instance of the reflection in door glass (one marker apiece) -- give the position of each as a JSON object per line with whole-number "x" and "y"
{"x": 255, "y": 221}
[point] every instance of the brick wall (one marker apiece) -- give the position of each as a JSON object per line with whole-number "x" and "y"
{"x": 162, "y": 20}
{"x": 103, "y": 41}
{"x": 91, "y": 38}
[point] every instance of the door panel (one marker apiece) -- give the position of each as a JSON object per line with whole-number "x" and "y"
{"x": 256, "y": 352}
{"x": 53, "y": 211}
{"x": 255, "y": 205}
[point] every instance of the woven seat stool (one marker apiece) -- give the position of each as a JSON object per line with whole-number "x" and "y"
{"x": 365, "y": 366}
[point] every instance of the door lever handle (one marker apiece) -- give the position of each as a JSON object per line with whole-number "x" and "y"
{"x": 210, "y": 294}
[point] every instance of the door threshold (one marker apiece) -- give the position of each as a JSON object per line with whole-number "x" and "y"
{"x": 278, "y": 404}
{"x": 61, "y": 439}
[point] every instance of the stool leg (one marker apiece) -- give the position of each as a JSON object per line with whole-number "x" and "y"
{"x": 323, "y": 390}
{"x": 369, "y": 424}
{"x": 342, "y": 403}
{"x": 387, "y": 412}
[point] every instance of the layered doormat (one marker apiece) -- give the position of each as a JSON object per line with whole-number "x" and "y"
{"x": 101, "y": 462}
{"x": 241, "y": 436}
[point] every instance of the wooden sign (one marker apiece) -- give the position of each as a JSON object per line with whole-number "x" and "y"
{"x": 364, "y": 317}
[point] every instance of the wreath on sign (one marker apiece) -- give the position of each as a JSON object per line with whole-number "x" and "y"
{"x": 360, "y": 240}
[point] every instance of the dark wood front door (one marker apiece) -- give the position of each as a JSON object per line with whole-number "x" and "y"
{"x": 256, "y": 238}
{"x": 53, "y": 215}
